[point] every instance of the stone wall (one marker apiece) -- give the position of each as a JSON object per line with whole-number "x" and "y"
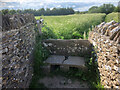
{"x": 106, "y": 39}
{"x": 68, "y": 47}
{"x": 18, "y": 38}
{"x": 16, "y": 21}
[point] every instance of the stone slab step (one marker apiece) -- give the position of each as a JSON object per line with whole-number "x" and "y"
{"x": 55, "y": 59}
{"x": 71, "y": 61}
{"x": 75, "y": 61}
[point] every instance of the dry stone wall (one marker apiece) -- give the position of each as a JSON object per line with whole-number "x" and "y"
{"x": 18, "y": 38}
{"x": 16, "y": 21}
{"x": 0, "y": 50}
{"x": 106, "y": 39}
{"x": 75, "y": 47}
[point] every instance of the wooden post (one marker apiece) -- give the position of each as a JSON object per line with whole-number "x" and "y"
{"x": 84, "y": 35}
{"x": 39, "y": 24}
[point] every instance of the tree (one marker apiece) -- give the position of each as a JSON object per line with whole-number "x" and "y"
{"x": 93, "y": 9}
{"x": 117, "y": 9}
{"x": 5, "y": 11}
{"x": 107, "y": 8}
{"x": 12, "y": 11}
{"x": 42, "y": 11}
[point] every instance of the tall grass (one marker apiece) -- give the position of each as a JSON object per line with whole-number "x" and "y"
{"x": 113, "y": 16}
{"x": 71, "y": 26}
{"x": 40, "y": 54}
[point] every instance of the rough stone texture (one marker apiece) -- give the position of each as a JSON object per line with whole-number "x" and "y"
{"x": 108, "y": 53}
{"x": 71, "y": 61}
{"x": 0, "y": 50}
{"x": 17, "y": 47}
{"x": 16, "y": 21}
{"x": 68, "y": 47}
{"x": 75, "y": 61}
{"x": 55, "y": 59}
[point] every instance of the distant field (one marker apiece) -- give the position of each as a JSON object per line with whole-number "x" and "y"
{"x": 69, "y": 26}
{"x": 113, "y": 16}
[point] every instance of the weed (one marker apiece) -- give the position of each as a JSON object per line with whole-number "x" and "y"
{"x": 40, "y": 54}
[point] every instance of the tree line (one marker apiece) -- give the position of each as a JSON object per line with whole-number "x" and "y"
{"x": 42, "y": 11}
{"x": 105, "y": 8}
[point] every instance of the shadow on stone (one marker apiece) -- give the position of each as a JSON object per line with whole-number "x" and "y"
{"x": 54, "y": 67}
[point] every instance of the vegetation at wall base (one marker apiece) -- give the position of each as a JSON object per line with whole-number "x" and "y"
{"x": 91, "y": 75}
{"x": 40, "y": 54}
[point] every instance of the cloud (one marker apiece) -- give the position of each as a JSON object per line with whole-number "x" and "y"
{"x": 59, "y": 6}
{"x": 11, "y": 6}
{"x": 36, "y": 4}
{"x": 2, "y": 4}
{"x": 59, "y": 0}
{"x": 73, "y": 6}
{"x": 82, "y": 8}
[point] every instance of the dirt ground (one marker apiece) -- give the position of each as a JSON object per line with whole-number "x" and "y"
{"x": 62, "y": 82}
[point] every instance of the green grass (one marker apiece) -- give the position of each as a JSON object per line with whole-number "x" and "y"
{"x": 70, "y": 26}
{"x": 113, "y": 16}
{"x": 40, "y": 54}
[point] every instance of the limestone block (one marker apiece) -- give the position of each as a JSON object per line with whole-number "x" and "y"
{"x": 114, "y": 32}
{"x": 116, "y": 37}
{"x": 118, "y": 41}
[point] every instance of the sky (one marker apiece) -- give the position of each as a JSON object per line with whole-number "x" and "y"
{"x": 78, "y": 5}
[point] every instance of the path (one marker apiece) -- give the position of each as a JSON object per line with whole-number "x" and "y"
{"x": 62, "y": 82}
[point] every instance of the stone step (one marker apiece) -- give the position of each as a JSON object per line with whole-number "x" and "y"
{"x": 65, "y": 62}
{"x": 55, "y": 60}
{"x": 75, "y": 61}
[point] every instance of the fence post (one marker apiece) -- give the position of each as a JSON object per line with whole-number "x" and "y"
{"x": 39, "y": 25}
{"x": 84, "y": 35}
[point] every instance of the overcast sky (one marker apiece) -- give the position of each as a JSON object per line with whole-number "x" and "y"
{"x": 81, "y": 5}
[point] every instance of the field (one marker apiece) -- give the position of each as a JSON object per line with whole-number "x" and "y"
{"x": 113, "y": 16}
{"x": 69, "y": 26}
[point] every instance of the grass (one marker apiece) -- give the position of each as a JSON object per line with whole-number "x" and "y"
{"x": 113, "y": 16}
{"x": 40, "y": 54}
{"x": 70, "y": 26}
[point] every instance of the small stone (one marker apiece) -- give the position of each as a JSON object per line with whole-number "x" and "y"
{"x": 50, "y": 44}
{"x": 62, "y": 82}
{"x": 116, "y": 68}
{"x": 69, "y": 81}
